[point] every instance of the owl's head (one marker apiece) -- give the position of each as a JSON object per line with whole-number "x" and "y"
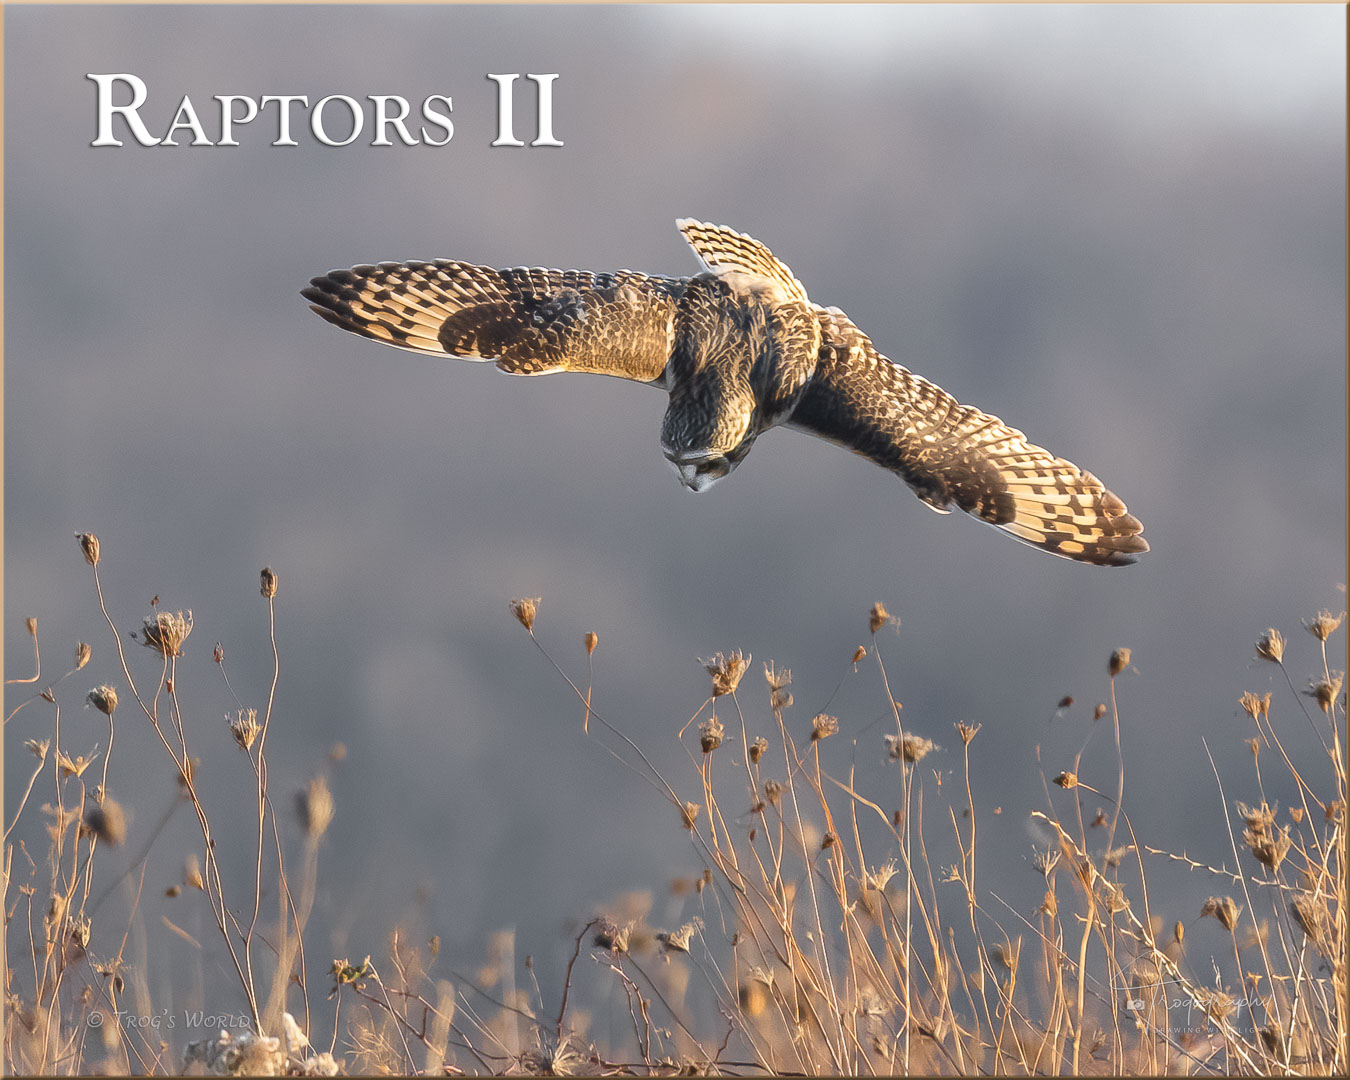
{"x": 706, "y": 436}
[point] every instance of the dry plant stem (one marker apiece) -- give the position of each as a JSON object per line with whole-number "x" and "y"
{"x": 1120, "y": 776}
{"x": 214, "y": 894}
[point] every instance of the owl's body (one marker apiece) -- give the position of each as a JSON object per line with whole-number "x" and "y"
{"x": 739, "y": 348}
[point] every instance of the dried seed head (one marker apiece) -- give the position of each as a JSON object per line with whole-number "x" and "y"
{"x": 1099, "y": 818}
{"x": 726, "y": 671}
{"x": 1045, "y": 861}
{"x": 1296, "y": 812}
{"x": 773, "y": 791}
{"x": 166, "y": 631}
{"x": 1257, "y": 706}
{"x": 858, "y": 654}
{"x": 82, "y": 654}
{"x": 1098, "y": 710}
{"x": 107, "y": 821}
{"x": 592, "y": 640}
{"x": 1269, "y": 848}
{"x": 1258, "y": 819}
{"x": 678, "y": 940}
{"x": 967, "y": 732}
{"x": 823, "y": 726}
{"x": 879, "y": 617}
{"x": 828, "y": 841}
{"x": 218, "y": 653}
{"x": 757, "y": 748}
{"x": 192, "y": 873}
{"x": 1067, "y": 780}
{"x": 1225, "y": 909}
{"x": 1049, "y": 905}
{"x": 1270, "y": 646}
{"x": 611, "y": 936}
{"x": 31, "y": 624}
{"x": 89, "y": 545}
{"x": 244, "y": 727}
{"x": 779, "y": 696}
{"x": 1325, "y": 691}
{"x": 1310, "y": 912}
{"x": 103, "y": 698}
{"x": 1120, "y": 660}
{"x": 710, "y": 734}
{"x": 315, "y": 807}
{"x": 1178, "y": 932}
{"x": 1324, "y": 624}
{"x": 38, "y": 747}
{"x": 909, "y": 748}
{"x": 689, "y": 815}
{"x": 69, "y": 766}
{"x": 525, "y": 609}
{"x": 269, "y": 582}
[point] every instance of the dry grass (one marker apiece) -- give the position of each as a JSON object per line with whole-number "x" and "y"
{"x": 827, "y": 941}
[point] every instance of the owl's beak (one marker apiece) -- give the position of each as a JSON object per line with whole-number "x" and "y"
{"x": 698, "y": 471}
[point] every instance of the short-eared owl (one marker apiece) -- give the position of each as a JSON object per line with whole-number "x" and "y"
{"x": 739, "y": 348}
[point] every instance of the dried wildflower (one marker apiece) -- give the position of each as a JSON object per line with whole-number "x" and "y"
{"x": 1045, "y": 861}
{"x": 592, "y": 640}
{"x": 710, "y": 734}
{"x": 1255, "y": 705}
{"x": 823, "y": 726}
{"x": 30, "y": 624}
{"x": 107, "y": 821}
{"x": 967, "y": 732}
{"x": 69, "y": 766}
{"x": 218, "y": 653}
{"x": 1098, "y": 710}
{"x": 611, "y": 936}
{"x": 726, "y": 671}
{"x": 757, "y": 748}
{"x": 1270, "y": 646}
{"x": 1268, "y": 848}
{"x": 1254, "y": 745}
{"x": 1120, "y": 660}
{"x": 1178, "y": 932}
{"x": 525, "y": 609}
{"x": 879, "y": 617}
{"x": 166, "y": 631}
{"x": 1324, "y": 624}
{"x": 678, "y": 940}
{"x": 192, "y": 873}
{"x": 773, "y": 791}
{"x": 828, "y": 840}
{"x": 82, "y": 654}
{"x": 1259, "y": 819}
{"x": 1049, "y": 904}
{"x": 1226, "y": 910}
{"x": 38, "y": 747}
{"x": 1296, "y": 812}
{"x": 1310, "y": 912}
{"x": 269, "y": 582}
{"x": 244, "y": 727}
{"x": 1325, "y": 691}
{"x": 103, "y": 698}
{"x": 1067, "y": 780}
{"x": 689, "y": 815}
{"x": 89, "y": 545}
{"x": 909, "y": 748}
{"x": 880, "y": 877}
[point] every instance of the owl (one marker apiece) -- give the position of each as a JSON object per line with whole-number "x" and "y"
{"x": 739, "y": 348}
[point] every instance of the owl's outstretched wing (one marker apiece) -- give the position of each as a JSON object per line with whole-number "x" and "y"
{"x": 954, "y": 455}
{"x": 528, "y": 320}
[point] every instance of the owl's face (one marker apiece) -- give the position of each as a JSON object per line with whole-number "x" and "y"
{"x": 698, "y": 471}
{"x": 706, "y": 436}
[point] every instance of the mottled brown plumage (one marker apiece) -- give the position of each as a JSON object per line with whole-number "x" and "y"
{"x": 739, "y": 348}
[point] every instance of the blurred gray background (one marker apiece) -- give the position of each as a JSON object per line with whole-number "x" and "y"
{"x": 1119, "y": 228}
